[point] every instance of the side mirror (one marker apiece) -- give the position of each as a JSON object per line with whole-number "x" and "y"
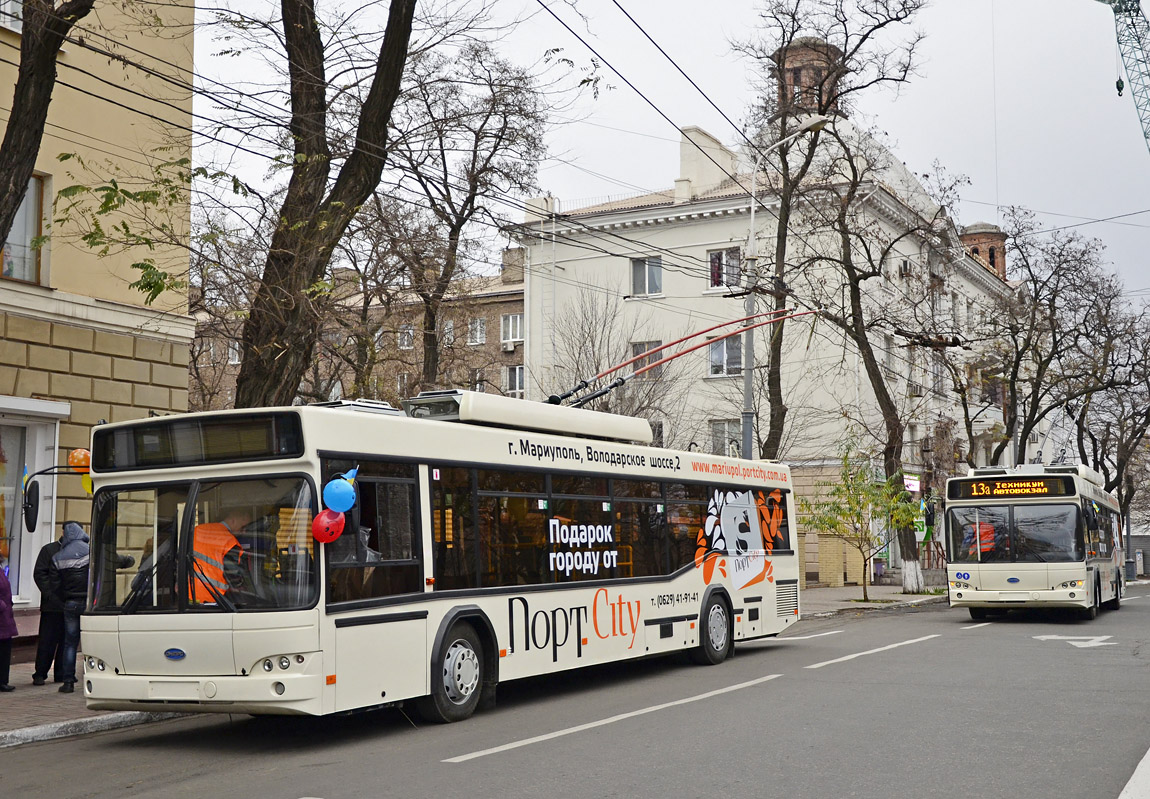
{"x": 31, "y": 505}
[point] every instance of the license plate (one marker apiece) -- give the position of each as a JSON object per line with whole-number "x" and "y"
{"x": 173, "y": 691}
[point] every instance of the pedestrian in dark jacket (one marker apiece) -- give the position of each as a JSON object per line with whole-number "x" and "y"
{"x": 7, "y": 628}
{"x": 50, "y": 639}
{"x": 69, "y": 576}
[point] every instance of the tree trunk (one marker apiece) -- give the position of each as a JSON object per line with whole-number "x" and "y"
{"x": 283, "y": 329}
{"x": 430, "y": 378}
{"x": 42, "y": 33}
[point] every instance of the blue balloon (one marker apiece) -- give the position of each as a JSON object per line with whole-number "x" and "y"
{"x": 339, "y": 495}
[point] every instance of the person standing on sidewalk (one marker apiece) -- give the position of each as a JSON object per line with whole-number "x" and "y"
{"x": 69, "y": 576}
{"x": 7, "y": 628}
{"x": 50, "y": 639}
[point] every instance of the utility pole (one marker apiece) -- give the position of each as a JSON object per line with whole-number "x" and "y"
{"x": 749, "y": 336}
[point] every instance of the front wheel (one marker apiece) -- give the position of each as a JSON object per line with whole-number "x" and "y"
{"x": 978, "y": 614}
{"x": 715, "y": 633}
{"x": 1116, "y": 602}
{"x": 457, "y": 681}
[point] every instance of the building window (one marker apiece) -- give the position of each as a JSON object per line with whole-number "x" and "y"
{"x": 448, "y": 333}
{"x": 476, "y": 381}
{"x": 477, "y": 332}
{"x": 12, "y": 14}
{"x": 234, "y": 350}
{"x": 796, "y": 84}
{"x": 407, "y": 337}
{"x": 20, "y": 256}
{"x": 974, "y": 251}
{"x": 726, "y": 437}
{"x": 637, "y": 349}
{"x": 726, "y": 267}
{"x": 993, "y": 261}
{"x": 512, "y": 327}
{"x": 727, "y": 356}
{"x": 646, "y": 276}
{"x": 514, "y": 382}
{"x": 403, "y": 384}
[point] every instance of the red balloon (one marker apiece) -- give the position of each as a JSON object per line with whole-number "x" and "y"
{"x": 327, "y": 526}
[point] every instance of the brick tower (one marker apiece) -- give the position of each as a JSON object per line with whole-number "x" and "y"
{"x": 807, "y": 72}
{"x": 987, "y": 243}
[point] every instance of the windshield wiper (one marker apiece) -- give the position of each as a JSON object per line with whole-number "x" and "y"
{"x": 220, "y": 598}
{"x": 142, "y": 585}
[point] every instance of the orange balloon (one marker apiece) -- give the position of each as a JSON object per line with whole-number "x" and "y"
{"x": 80, "y": 460}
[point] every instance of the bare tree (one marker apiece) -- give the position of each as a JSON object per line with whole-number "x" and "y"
{"x": 1054, "y": 340}
{"x": 590, "y": 337}
{"x": 468, "y": 134}
{"x": 282, "y": 331}
{"x": 814, "y": 57}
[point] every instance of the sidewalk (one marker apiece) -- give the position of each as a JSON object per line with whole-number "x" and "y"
{"x": 815, "y": 602}
{"x": 41, "y": 713}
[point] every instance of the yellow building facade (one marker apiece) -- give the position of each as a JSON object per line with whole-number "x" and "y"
{"x": 77, "y": 345}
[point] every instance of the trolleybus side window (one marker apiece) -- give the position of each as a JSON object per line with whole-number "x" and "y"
{"x": 378, "y": 553}
{"x": 453, "y": 519}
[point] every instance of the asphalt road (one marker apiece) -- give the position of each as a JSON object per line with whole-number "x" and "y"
{"x": 905, "y": 703}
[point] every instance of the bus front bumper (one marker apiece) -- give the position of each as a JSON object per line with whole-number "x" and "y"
{"x": 284, "y": 694}
{"x": 1005, "y": 600}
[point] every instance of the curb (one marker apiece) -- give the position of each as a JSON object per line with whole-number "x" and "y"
{"x": 85, "y": 726}
{"x": 927, "y": 600}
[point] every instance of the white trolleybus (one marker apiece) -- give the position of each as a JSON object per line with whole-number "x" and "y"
{"x": 480, "y": 539}
{"x": 1030, "y": 537}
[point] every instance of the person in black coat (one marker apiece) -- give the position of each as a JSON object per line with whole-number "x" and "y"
{"x": 50, "y": 640}
{"x": 69, "y": 576}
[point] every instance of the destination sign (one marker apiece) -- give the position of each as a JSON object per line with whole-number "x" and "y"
{"x": 1008, "y": 487}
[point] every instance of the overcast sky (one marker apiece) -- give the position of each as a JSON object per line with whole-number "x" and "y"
{"x": 1016, "y": 94}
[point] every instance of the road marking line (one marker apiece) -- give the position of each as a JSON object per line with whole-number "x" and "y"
{"x": 805, "y": 637}
{"x": 1139, "y": 784}
{"x": 869, "y": 652}
{"x": 602, "y": 722}
{"x": 976, "y": 626}
{"x": 1081, "y": 641}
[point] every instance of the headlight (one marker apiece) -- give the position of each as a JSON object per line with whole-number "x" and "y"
{"x": 268, "y": 665}
{"x": 284, "y": 661}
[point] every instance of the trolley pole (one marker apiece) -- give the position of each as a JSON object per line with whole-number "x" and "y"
{"x": 749, "y": 335}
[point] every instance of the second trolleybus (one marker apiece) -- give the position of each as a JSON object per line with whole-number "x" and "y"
{"x": 480, "y": 539}
{"x": 1030, "y": 537}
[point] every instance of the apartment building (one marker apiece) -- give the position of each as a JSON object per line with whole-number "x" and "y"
{"x": 78, "y": 346}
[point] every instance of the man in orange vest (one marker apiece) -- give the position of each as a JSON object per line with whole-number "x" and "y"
{"x": 216, "y": 556}
{"x": 981, "y": 538}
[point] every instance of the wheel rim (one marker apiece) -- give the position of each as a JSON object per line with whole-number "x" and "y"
{"x": 717, "y": 627}
{"x": 460, "y": 672}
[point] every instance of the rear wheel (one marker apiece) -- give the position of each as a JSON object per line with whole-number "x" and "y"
{"x": 457, "y": 681}
{"x": 978, "y": 614}
{"x": 714, "y": 634}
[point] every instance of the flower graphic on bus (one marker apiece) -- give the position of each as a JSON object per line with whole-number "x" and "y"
{"x": 743, "y": 528}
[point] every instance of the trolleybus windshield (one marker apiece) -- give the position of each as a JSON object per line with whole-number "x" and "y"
{"x": 221, "y": 545}
{"x": 1015, "y": 533}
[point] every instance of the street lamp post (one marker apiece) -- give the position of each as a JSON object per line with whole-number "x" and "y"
{"x": 813, "y": 122}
